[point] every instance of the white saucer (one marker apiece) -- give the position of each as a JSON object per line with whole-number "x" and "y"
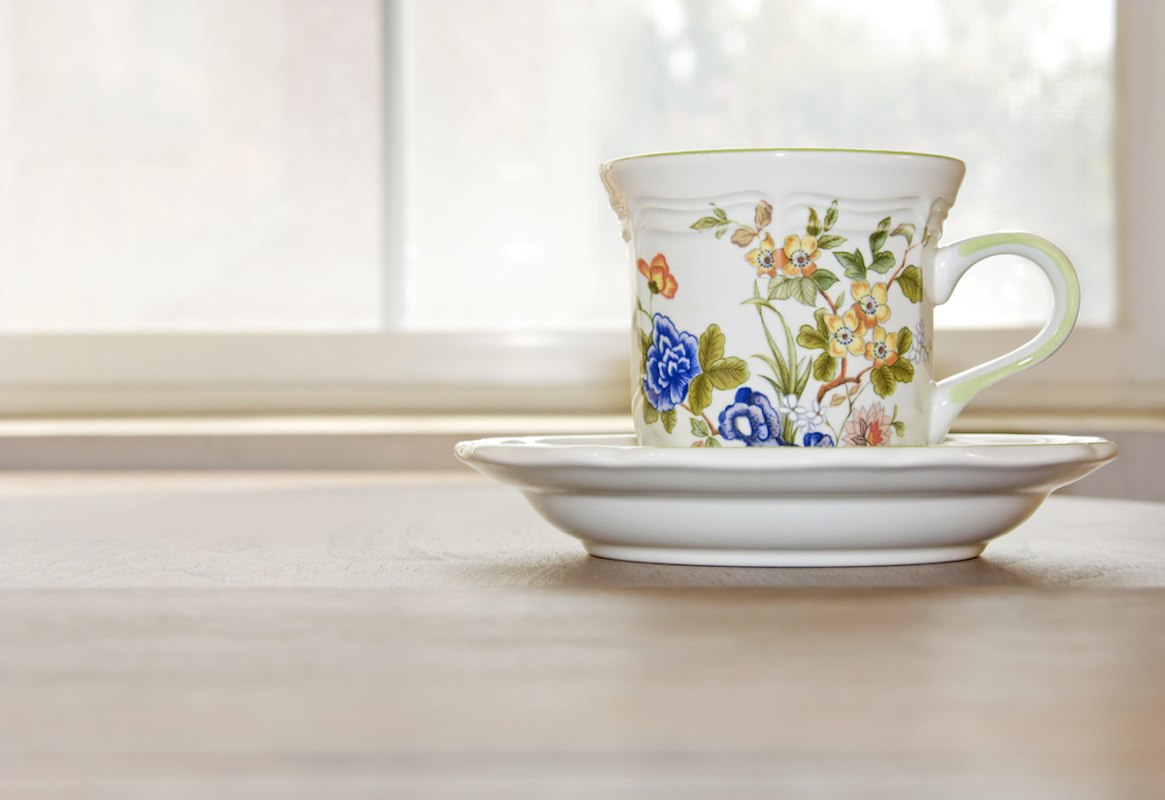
{"x": 788, "y": 507}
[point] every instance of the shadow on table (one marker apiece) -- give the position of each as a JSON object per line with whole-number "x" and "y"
{"x": 581, "y": 570}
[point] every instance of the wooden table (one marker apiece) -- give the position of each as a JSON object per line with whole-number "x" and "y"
{"x": 426, "y": 635}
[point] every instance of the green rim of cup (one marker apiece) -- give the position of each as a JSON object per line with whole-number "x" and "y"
{"x": 783, "y": 150}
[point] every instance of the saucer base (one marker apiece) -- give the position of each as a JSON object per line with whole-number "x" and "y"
{"x": 787, "y": 507}
{"x": 700, "y": 556}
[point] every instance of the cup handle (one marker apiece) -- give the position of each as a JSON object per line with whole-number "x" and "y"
{"x": 951, "y": 262}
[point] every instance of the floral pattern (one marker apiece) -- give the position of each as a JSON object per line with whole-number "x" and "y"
{"x": 849, "y": 353}
{"x": 920, "y": 350}
{"x": 799, "y": 257}
{"x": 764, "y": 257}
{"x": 752, "y": 420}
{"x": 882, "y": 349}
{"x": 845, "y": 334}
{"x": 869, "y": 302}
{"x": 869, "y": 427}
{"x": 672, "y": 363}
{"x": 659, "y": 277}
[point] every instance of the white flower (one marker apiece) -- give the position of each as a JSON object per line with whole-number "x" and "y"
{"x": 804, "y": 418}
{"x": 920, "y": 348}
{"x": 788, "y": 407}
{"x": 814, "y": 416}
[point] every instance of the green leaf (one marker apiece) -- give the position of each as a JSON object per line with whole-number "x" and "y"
{"x": 719, "y": 212}
{"x": 882, "y": 379}
{"x": 777, "y": 370}
{"x": 840, "y": 299}
{"x": 650, "y": 415}
{"x": 899, "y": 427}
{"x": 669, "y": 420}
{"x": 878, "y": 237}
{"x": 824, "y": 279}
{"x": 782, "y": 371}
{"x": 721, "y": 231}
{"x": 780, "y": 288}
{"x": 805, "y": 290}
{"x": 903, "y": 341}
{"x": 829, "y": 241}
{"x": 820, "y": 315}
{"x": 802, "y": 377}
{"x": 814, "y": 226}
{"x": 703, "y": 223}
{"x": 812, "y": 339}
{"x": 825, "y": 367}
{"x": 883, "y": 262}
{"x": 854, "y": 263}
{"x": 910, "y": 281}
{"x": 757, "y": 301}
{"x": 699, "y": 393}
{"x": 710, "y": 442}
{"x": 778, "y": 388}
{"x": 790, "y": 343}
{"x": 727, "y": 373}
{"x": 906, "y": 230}
{"x": 831, "y": 216}
{"x": 903, "y": 370}
{"x": 698, "y": 427}
{"x": 711, "y": 346}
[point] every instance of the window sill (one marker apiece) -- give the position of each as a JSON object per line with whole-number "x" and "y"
{"x": 387, "y": 442}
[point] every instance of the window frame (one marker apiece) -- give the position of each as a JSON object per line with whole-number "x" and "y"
{"x": 580, "y": 372}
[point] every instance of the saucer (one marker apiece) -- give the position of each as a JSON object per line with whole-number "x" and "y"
{"x": 787, "y": 507}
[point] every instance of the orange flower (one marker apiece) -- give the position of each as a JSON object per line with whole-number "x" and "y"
{"x": 798, "y": 257}
{"x": 659, "y": 278}
{"x": 883, "y": 350}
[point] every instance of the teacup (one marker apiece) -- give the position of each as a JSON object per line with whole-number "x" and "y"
{"x": 786, "y": 297}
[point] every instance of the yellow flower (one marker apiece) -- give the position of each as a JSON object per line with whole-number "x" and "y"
{"x": 845, "y": 334}
{"x": 798, "y": 257}
{"x": 883, "y": 350}
{"x": 762, "y": 257}
{"x": 870, "y": 303}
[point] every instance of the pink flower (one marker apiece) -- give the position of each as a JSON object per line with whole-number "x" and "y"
{"x": 869, "y": 427}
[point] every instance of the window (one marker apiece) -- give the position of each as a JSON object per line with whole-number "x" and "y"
{"x": 323, "y": 206}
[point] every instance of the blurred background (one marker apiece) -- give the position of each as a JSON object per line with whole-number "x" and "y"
{"x": 313, "y": 207}
{"x": 215, "y": 165}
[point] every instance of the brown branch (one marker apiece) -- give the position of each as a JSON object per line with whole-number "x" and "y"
{"x": 714, "y": 430}
{"x": 839, "y": 380}
{"x": 901, "y": 266}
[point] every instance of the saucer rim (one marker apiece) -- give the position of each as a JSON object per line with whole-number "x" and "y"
{"x": 970, "y": 449}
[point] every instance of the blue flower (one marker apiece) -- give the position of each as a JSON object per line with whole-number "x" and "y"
{"x": 672, "y": 361}
{"x": 818, "y": 440}
{"x": 752, "y": 420}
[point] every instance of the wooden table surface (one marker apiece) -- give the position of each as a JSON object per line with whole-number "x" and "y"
{"x": 426, "y": 635}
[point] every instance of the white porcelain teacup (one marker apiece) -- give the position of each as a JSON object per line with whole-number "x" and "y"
{"x": 786, "y": 297}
